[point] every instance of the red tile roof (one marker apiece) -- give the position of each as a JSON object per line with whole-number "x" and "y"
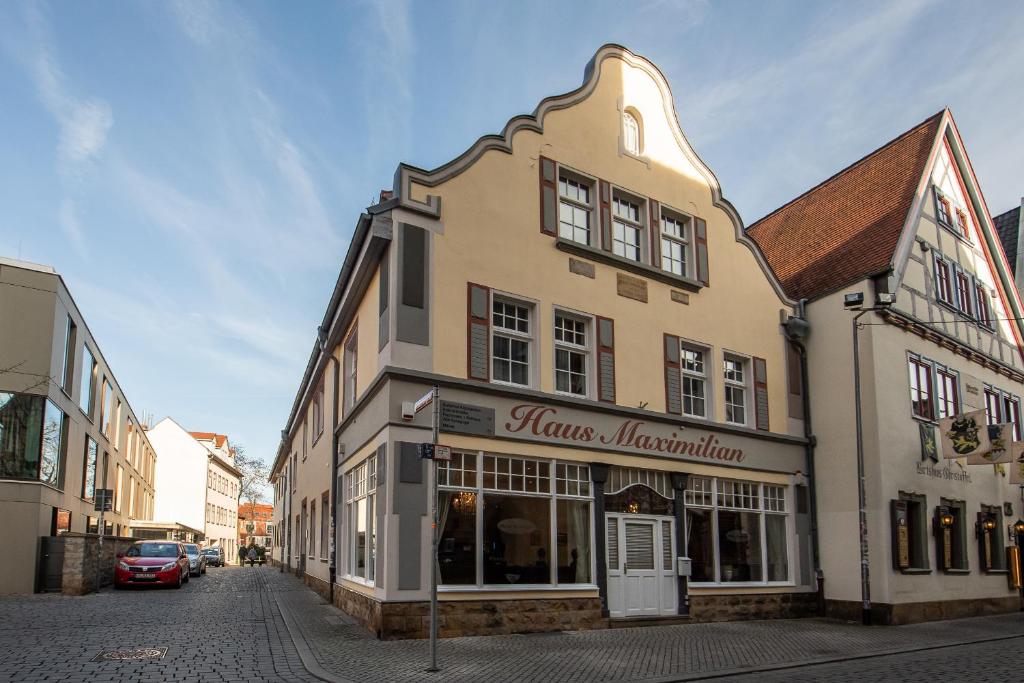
{"x": 218, "y": 439}
{"x": 847, "y": 227}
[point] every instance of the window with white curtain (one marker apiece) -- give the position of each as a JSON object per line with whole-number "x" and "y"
{"x": 737, "y": 531}
{"x": 361, "y": 511}
{"x": 507, "y": 520}
{"x": 630, "y": 133}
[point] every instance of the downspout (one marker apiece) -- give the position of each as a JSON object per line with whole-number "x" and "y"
{"x": 334, "y": 472}
{"x": 811, "y": 442}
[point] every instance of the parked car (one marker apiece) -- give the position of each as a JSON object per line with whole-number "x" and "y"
{"x": 214, "y": 556}
{"x": 196, "y": 560}
{"x": 152, "y": 562}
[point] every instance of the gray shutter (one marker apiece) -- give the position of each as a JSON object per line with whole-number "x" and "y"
{"x": 384, "y": 286}
{"x": 673, "y": 380}
{"x": 380, "y": 501}
{"x": 761, "y": 393}
{"x": 479, "y": 333}
{"x": 700, "y": 231}
{"x": 606, "y": 359}
{"x": 655, "y": 233}
{"x": 604, "y": 202}
{"x": 548, "y": 197}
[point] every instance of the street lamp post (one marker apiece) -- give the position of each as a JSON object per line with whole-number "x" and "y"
{"x": 855, "y": 302}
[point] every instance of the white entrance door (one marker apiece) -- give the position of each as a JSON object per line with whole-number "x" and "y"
{"x": 641, "y": 576}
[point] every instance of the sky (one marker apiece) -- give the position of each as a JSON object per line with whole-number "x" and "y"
{"x": 194, "y": 170}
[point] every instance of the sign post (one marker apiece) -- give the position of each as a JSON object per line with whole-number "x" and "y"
{"x": 103, "y": 502}
{"x": 431, "y": 451}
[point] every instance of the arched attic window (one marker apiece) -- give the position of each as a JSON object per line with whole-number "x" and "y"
{"x": 631, "y": 132}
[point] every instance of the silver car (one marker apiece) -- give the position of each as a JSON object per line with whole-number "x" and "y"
{"x": 196, "y": 559}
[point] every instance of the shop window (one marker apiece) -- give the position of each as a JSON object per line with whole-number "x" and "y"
{"x": 33, "y": 431}
{"x": 361, "y": 513}
{"x": 512, "y": 524}
{"x": 909, "y": 533}
{"x": 736, "y": 532}
{"x": 989, "y": 532}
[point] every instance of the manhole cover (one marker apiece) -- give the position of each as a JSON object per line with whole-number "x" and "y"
{"x": 136, "y": 655}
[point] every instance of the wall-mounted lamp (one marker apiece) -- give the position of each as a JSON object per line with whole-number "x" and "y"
{"x": 946, "y": 520}
{"x": 988, "y": 524}
{"x": 1018, "y": 527}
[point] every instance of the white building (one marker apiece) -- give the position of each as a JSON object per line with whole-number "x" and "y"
{"x": 199, "y": 484}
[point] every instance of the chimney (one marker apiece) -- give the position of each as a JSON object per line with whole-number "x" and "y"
{"x": 386, "y": 195}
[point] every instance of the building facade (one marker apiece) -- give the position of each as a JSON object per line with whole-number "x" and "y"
{"x": 66, "y": 428}
{"x": 614, "y": 377}
{"x": 258, "y": 516}
{"x": 908, "y": 221}
{"x": 199, "y": 484}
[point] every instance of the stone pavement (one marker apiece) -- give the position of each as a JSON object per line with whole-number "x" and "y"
{"x": 218, "y": 627}
{"x": 340, "y": 650}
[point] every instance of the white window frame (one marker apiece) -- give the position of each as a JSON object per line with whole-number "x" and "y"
{"x": 745, "y": 385}
{"x": 637, "y": 129}
{"x": 587, "y": 349}
{"x": 687, "y": 345}
{"x": 571, "y": 176}
{"x": 529, "y": 337}
{"x": 640, "y": 225}
{"x": 715, "y": 505}
{"x": 684, "y": 240}
{"x": 552, "y": 496}
{"x": 360, "y": 483}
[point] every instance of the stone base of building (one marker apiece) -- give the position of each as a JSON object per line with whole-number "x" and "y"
{"x": 318, "y": 586}
{"x": 914, "y": 612}
{"x": 753, "y": 606}
{"x": 400, "y": 620}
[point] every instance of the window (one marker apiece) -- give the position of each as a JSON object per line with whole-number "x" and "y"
{"x": 318, "y": 411}
{"x": 964, "y": 290}
{"x": 984, "y": 310}
{"x": 87, "y": 401}
{"x": 961, "y": 223}
{"x": 675, "y": 244}
{"x": 325, "y": 501}
{"x": 736, "y": 531}
{"x": 993, "y": 406}
{"x": 626, "y": 227}
{"x": 695, "y": 382}
{"x": 361, "y": 513}
{"x": 119, "y": 490}
{"x": 1011, "y": 414}
{"x": 351, "y": 368}
{"x": 630, "y": 133}
{"x": 951, "y": 543}
{"x": 510, "y": 342}
{"x": 735, "y": 391}
{"x": 52, "y": 453}
{"x": 106, "y": 407}
{"x": 942, "y": 210}
{"x": 947, "y": 394}
{"x": 921, "y": 388}
{"x": 571, "y": 354}
{"x": 312, "y": 529}
{"x": 305, "y": 436}
{"x": 534, "y": 521}
{"x": 991, "y": 555}
{"x": 943, "y": 283}
{"x": 70, "y": 344}
{"x": 32, "y": 434}
{"x": 574, "y": 209}
{"x": 916, "y": 523}
{"x": 89, "y": 473}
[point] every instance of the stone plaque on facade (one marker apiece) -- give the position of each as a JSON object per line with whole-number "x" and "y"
{"x": 581, "y": 268}
{"x": 632, "y": 287}
{"x": 466, "y": 419}
{"x": 680, "y": 297}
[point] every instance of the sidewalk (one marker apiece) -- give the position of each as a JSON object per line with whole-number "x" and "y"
{"x": 339, "y": 649}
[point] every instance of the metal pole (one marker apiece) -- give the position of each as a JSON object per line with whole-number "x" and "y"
{"x": 99, "y": 559}
{"x": 865, "y": 584}
{"x": 434, "y": 532}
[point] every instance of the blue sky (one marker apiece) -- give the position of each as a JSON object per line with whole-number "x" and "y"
{"x": 194, "y": 170}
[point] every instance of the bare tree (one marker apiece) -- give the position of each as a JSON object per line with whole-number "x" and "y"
{"x": 252, "y": 487}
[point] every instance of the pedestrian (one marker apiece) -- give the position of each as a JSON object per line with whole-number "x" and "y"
{"x": 241, "y": 555}
{"x": 252, "y": 555}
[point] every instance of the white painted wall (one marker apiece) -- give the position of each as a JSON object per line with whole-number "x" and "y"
{"x": 181, "y": 467}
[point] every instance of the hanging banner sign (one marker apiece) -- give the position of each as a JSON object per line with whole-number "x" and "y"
{"x": 1001, "y": 439}
{"x": 964, "y": 435}
{"x": 929, "y": 446}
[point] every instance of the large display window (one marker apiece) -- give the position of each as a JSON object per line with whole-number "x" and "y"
{"x": 509, "y": 521}
{"x": 737, "y": 532}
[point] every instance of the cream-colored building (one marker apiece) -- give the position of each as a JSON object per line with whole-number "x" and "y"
{"x": 66, "y": 430}
{"x": 907, "y": 220}
{"x": 615, "y": 384}
{"x": 199, "y": 484}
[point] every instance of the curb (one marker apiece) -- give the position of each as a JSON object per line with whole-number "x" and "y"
{"x": 309, "y": 660}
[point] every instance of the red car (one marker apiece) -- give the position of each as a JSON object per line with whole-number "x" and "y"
{"x": 152, "y": 562}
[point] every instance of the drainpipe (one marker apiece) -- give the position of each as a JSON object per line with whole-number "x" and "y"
{"x": 794, "y": 337}
{"x": 334, "y": 479}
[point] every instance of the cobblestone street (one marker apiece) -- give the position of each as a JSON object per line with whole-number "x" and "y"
{"x": 233, "y": 625}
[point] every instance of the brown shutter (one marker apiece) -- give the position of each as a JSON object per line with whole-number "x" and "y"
{"x": 673, "y": 380}
{"x": 478, "y": 343}
{"x": 761, "y": 393}
{"x": 604, "y": 203}
{"x": 655, "y": 233}
{"x": 548, "y": 197}
{"x": 794, "y": 374}
{"x": 700, "y": 230}
{"x": 606, "y": 360}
